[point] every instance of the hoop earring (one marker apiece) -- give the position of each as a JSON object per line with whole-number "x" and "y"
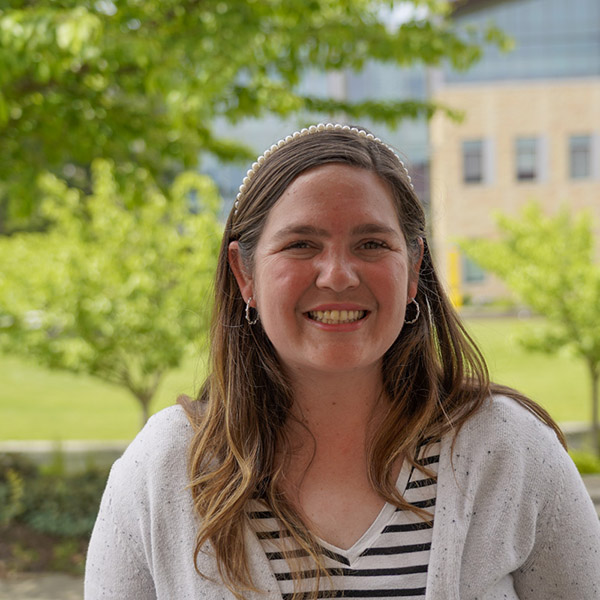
{"x": 416, "y": 316}
{"x": 252, "y": 322}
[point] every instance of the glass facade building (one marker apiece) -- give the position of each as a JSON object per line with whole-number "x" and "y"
{"x": 552, "y": 38}
{"x": 376, "y": 82}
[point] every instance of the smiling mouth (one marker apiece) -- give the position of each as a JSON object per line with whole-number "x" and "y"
{"x": 333, "y": 317}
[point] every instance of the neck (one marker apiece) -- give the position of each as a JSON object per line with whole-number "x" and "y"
{"x": 328, "y": 438}
{"x": 345, "y": 404}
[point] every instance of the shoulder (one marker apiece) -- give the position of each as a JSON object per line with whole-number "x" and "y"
{"x": 146, "y": 519}
{"x": 158, "y": 456}
{"x": 507, "y": 488}
{"x": 503, "y": 422}
{"x": 504, "y": 441}
{"x": 165, "y": 433}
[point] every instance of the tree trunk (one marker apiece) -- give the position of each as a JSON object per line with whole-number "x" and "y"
{"x": 145, "y": 396}
{"x": 145, "y": 402}
{"x": 595, "y": 376}
{"x": 143, "y": 393}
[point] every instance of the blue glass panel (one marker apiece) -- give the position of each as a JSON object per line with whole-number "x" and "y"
{"x": 553, "y": 38}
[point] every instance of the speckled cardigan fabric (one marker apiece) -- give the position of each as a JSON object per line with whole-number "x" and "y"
{"x": 513, "y": 519}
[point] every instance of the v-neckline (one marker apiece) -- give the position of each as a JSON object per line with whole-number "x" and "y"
{"x": 352, "y": 554}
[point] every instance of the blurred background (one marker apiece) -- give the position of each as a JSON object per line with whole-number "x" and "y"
{"x": 126, "y": 128}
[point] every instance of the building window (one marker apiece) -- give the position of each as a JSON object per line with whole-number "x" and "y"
{"x": 580, "y": 156}
{"x": 527, "y": 153}
{"x": 473, "y": 163}
{"x": 471, "y": 271}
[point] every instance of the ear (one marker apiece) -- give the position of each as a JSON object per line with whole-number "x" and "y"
{"x": 244, "y": 280}
{"x": 413, "y": 282}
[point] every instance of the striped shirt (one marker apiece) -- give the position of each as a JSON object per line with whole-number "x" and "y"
{"x": 390, "y": 559}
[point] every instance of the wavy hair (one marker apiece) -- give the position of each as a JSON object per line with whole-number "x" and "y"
{"x": 433, "y": 374}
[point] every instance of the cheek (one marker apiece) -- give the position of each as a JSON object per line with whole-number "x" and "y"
{"x": 279, "y": 284}
{"x": 393, "y": 279}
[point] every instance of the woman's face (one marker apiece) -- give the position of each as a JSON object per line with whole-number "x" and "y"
{"x": 331, "y": 276}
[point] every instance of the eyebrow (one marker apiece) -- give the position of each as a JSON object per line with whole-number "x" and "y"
{"x": 311, "y": 230}
{"x": 374, "y": 228}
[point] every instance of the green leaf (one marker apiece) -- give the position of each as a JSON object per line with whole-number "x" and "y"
{"x": 115, "y": 289}
{"x": 147, "y": 81}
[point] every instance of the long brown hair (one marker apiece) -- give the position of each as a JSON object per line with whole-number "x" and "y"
{"x": 433, "y": 373}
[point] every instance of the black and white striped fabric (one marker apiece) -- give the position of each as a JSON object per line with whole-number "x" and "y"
{"x": 391, "y": 558}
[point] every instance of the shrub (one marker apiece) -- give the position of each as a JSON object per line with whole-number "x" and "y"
{"x": 50, "y": 501}
{"x": 11, "y": 496}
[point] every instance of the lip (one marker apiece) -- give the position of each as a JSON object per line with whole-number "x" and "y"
{"x": 338, "y": 327}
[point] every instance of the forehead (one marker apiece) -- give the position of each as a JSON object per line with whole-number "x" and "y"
{"x": 336, "y": 193}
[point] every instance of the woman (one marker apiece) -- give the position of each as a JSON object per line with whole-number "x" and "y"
{"x": 347, "y": 441}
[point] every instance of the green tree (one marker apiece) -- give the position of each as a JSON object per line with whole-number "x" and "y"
{"x": 115, "y": 290}
{"x": 548, "y": 261}
{"x": 141, "y": 82}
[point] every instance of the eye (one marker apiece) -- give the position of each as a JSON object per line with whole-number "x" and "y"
{"x": 374, "y": 245}
{"x": 299, "y": 245}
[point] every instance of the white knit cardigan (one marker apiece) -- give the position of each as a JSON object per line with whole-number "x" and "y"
{"x": 513, "y": 519}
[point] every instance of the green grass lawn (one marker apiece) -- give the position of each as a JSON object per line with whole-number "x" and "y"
{"x": 39, "y": 404}
{"x": 559, "y": 383}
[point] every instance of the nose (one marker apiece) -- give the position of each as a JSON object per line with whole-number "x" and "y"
{"x": 337, "y": 271}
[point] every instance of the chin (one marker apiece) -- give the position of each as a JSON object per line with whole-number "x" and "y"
{"x": 344, "y": 367}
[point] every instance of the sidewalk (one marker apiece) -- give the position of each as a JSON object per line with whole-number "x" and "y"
{"x": 56, "y": 586}
{"x": 46, "y": 586}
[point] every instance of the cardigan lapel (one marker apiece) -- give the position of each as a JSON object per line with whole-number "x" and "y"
{"x": 446, "y": 547}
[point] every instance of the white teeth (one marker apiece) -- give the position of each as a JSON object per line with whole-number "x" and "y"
{"x": 333, "y": 317}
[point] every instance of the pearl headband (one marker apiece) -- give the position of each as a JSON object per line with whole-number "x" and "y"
{"x": 308, "y": 131}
